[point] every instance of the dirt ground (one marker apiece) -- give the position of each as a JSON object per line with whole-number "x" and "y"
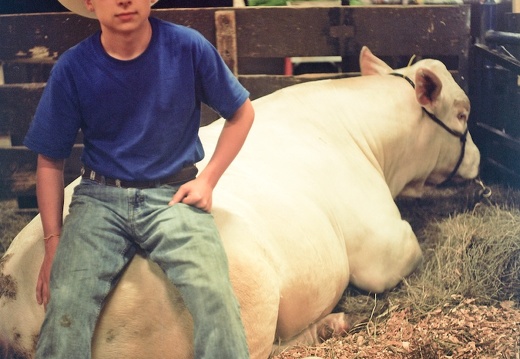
{"x": 466, "y": 330}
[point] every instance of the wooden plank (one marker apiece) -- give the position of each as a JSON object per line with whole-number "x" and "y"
{"x": 18, "y": 103}
{"x": 17, "y": 106}
{"x": 57, "y": 32}
{"x": 202, "y": 20}
{"x": 27, "y": 70}
{"x": 261, "y": 85}
{"x": 274, "y": 31}
{"x": 18, "y": 170}
{"x": 387, "y": 30}
{"x": 225, "y": 25}
{"x": 53, "y": 32}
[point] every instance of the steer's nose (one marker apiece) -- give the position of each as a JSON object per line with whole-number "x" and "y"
{"x": 470, "y": 166}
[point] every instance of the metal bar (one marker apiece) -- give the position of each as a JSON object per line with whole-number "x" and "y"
{"x": 503, "y": 137}
{"x": 503, "y": 60}
{"x": 501, "y": 37}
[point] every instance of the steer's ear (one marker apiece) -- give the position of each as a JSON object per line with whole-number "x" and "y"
{"x": 427, "y": 86}
{"x": 372, "y": 65}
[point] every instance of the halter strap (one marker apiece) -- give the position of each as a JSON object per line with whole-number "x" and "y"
{"x": 461, "y": 135}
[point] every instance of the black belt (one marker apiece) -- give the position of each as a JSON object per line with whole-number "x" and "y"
{"x": 184, "y": 175}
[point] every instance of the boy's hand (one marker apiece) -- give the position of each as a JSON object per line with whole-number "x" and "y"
{"x": 199, "y": 192}
{"x": 196, "y": 193}
{"x": 43, "y": 293}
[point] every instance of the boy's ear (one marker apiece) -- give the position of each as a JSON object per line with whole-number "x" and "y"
{"x": 88, "y": 5}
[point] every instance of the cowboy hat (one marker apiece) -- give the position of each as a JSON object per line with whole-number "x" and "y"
{"x": 78, "y": 7}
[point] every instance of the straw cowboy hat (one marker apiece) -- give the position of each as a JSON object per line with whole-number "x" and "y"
{"x": 78, "y": 7}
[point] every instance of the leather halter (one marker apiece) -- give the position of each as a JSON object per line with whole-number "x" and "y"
{"x": 462, "y": 136}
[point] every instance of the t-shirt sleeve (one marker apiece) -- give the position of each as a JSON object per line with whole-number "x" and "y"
{"x": 57, "y": 119}
{"x": 221, "y": 90}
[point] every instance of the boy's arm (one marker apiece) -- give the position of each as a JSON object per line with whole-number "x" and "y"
{"x": 198, "y": 193}
{"x": 49, "y": 191}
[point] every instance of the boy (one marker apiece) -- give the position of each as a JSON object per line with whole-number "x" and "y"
{"x": 134, "y": 89}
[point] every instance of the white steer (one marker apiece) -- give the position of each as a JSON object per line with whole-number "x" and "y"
{"x": 306, "y": 208}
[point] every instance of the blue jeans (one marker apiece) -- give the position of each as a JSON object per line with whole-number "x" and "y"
{"x": 105, "y": 228}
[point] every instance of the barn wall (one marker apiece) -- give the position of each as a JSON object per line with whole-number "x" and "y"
{"x": 31, "y": 43}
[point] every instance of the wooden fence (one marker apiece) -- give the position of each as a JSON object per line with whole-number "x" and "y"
{"x": 245, "y": 37}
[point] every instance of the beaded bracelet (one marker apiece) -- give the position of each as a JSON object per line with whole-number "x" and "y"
{"x": 50, "y": 236}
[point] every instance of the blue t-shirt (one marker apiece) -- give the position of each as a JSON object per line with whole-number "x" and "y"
{"x": 139, "y": 118}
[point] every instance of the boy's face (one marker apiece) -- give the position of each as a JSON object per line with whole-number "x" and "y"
{"x": 121, "y": 15}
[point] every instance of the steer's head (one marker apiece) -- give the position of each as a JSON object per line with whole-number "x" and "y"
{"x": 446, "y": 105}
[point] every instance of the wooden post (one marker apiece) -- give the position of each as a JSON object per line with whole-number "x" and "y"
{"x": 226, "y": 41}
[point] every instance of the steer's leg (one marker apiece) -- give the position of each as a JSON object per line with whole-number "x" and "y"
{"x": 331, "y": 325}
{"x": 389, "y": 253}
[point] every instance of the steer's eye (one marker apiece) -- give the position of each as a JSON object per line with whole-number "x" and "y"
{"x": 462, "y": 116}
